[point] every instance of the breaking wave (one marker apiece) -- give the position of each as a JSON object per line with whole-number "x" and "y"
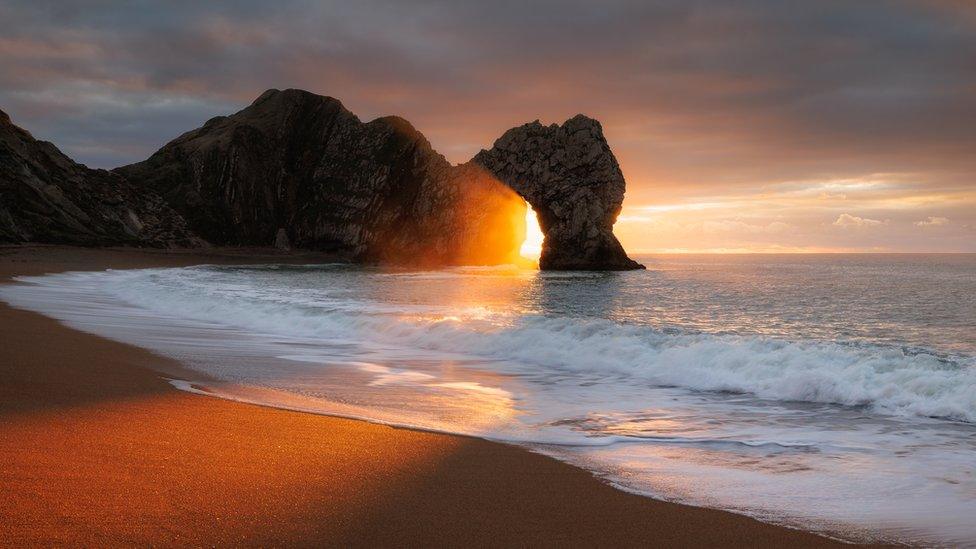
{"x": 891, "y": 380}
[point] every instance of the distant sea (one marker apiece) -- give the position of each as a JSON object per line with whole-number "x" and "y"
{"x": 831, "y": 392}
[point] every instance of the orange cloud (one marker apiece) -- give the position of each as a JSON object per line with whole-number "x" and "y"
{"x": 852, "y": 221}
{"x": 932, "y": 222}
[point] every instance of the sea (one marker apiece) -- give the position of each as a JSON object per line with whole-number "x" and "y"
{"x": 833, "y": 393}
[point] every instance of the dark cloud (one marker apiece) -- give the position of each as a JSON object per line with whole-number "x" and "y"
{"x": 694, "y": 95}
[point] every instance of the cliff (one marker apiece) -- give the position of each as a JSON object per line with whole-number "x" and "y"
{"x": 299, "y": 167}
{"x": 46, "y": 197}
{"x": 298, "y": 170}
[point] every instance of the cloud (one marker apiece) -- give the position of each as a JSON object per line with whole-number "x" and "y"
{"x": 932, "y": 222}
{"x": 848, "y": 221}
{"x": 741, "y": 227}
{"x": 688, "y": 90}
{"x": 634, "y": 219}
{"x": 770, "y": 105}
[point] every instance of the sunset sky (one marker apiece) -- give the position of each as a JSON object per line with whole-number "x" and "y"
{"x": 763, "y": 125}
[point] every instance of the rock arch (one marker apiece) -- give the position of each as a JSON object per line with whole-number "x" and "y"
{"x": 572, "y": 180}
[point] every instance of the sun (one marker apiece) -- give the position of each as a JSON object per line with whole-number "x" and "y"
{"x": 532, "y": 245}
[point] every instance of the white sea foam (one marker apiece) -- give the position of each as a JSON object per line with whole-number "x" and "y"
{"x": 890, "y": 380}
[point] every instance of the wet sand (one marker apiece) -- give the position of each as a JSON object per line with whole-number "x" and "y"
{"x": 96, "y": 448}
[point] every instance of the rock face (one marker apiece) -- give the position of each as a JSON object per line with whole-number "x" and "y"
{"x": 46, "y": 197}
{"x": 573, "y": 182}
{"x": 302, "y": 163}
{"x": 298, "y": 170}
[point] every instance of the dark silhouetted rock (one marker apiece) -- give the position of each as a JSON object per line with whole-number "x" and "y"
{"x": 46, "y": 197}
{"x": 298, "y": 170}
{"x": 571, "y": 178}
{"x": 372, "y": 191}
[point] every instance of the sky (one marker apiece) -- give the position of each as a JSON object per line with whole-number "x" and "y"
{"x": 752, "y": 126}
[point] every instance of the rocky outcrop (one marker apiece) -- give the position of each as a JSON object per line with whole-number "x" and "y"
{"x": 297, "y": 170}
{"x": 46, "y": 197}
{"x": 573, "y": 182}
{"x": 301, "y": 163}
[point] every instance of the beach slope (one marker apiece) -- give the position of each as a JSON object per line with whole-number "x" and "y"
{"x": 97, "y": 448}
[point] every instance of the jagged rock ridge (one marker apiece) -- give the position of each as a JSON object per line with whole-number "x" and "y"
{"x": 46, "y": 197}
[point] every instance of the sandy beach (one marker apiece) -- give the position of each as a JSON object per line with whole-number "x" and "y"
{"x": 97, "y": 448}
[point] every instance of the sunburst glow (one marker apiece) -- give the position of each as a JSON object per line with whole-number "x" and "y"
{"x": 532, "y": 245}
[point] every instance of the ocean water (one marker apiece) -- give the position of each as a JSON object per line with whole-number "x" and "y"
{"x": 830, "y": 392}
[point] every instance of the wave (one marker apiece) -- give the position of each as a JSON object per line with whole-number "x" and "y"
{"x": 886, "y": 379}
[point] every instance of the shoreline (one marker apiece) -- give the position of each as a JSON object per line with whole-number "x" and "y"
{"x": 100, "y": 449}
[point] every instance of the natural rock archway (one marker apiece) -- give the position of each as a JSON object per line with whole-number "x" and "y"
{"x": 571, "y": 178}
{"x": 297, "y": 170}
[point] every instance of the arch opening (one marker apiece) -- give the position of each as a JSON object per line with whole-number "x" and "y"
{"x": 531, "y": 248}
